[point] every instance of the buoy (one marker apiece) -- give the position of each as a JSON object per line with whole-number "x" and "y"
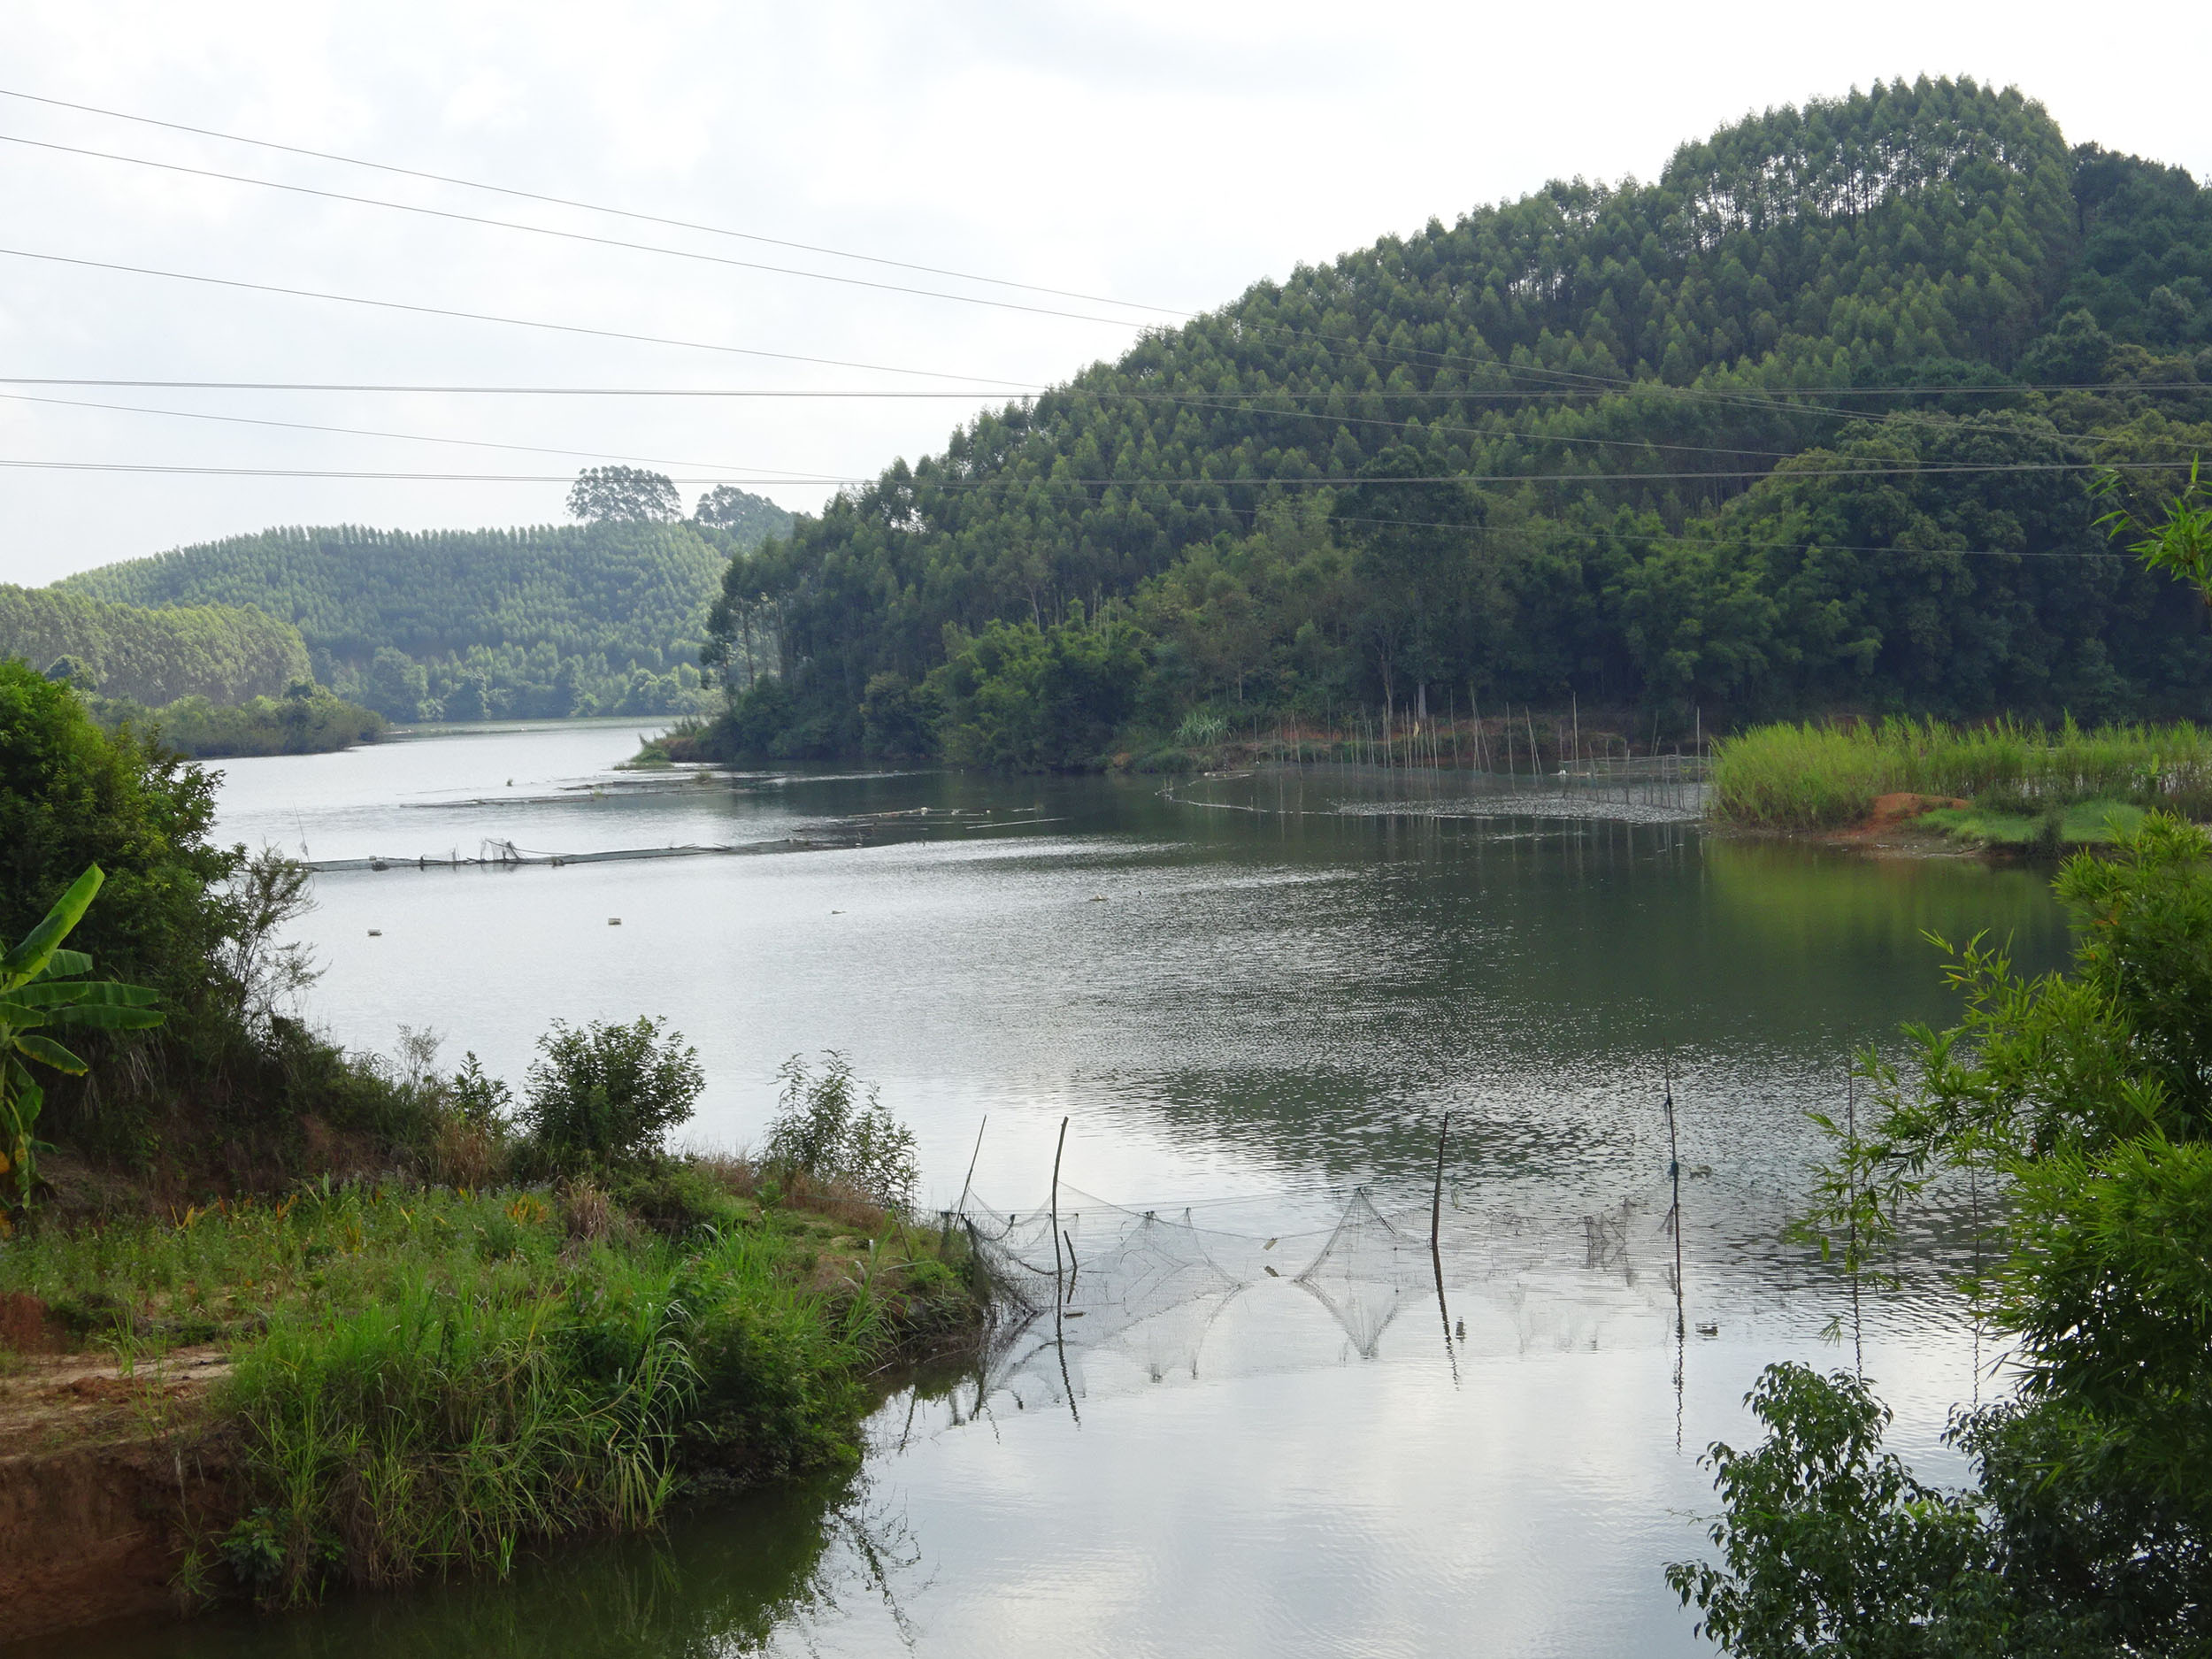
{"x": 614, "y": 921}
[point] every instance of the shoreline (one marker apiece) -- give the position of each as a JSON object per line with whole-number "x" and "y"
{"x": 132, "y": 1484}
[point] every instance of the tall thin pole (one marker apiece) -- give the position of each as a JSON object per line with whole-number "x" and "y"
{"x": 1851, "y": 1209}
{"x": 1674, "y": 1175}
{"x": 1436, "y": 1199}
{"x": 973, "y": 1156}
{"x": 1059, "y": 1293}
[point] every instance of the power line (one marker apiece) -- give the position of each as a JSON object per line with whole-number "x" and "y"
{"x": 572, "y": 235}
{"x": 589, "y": 207}
{"x": 1070, "y": 389}
{"x": 1756, "y": 397}
{"x": 512, "y": 322}
{"x": 1328, "y": 481}
{"x": 365, "y": 431}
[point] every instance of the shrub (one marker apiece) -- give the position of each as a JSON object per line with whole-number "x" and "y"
{"x": 828, "y": 1129}
{"x": 609, "y": 1093}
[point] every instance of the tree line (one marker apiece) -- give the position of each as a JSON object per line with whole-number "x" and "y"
{"x": 603, "y": 617}
{"x": 223, "y": 653}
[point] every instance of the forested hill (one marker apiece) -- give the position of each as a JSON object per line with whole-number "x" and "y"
{"x": 554, "y": 620}
{"x": 225, "y": 653}
{"x": 1803, "y": 424}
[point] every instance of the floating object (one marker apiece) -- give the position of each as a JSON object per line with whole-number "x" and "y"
{"x": 376, "y": 932}
{"x": 614, "y": 921}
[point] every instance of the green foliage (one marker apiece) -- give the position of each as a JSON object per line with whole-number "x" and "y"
{"x": 827, "y": 1129}
{"x": 306, "y": 720}
{"x": 606, "y": 1094}
{"x": 71, "y": 796}
{"x": 747, "y": 519}
{"x": 42, "y": 987}
{"x": 604, "y": 618}
{"x": 2084, "y": 1103}
{"x": 1029, "y": 699}
{"x": 2181, "y": 545}
{"x": 224, "y": 653}
{"x": 624, "y": 494}
{"x": 1831, "y": 1546}
{"x": 1816, "y": 776}
{"x": 1633, "y": 443}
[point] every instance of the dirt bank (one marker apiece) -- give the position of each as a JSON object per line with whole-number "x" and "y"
{"x": 104, "y": 1476}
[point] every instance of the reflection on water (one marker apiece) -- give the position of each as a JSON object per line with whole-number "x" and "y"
{"x": 1249, "y": 1002}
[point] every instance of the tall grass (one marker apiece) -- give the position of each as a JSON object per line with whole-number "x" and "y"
{"x": 1815, "y": 777}
{"x": 426, "y": 1380}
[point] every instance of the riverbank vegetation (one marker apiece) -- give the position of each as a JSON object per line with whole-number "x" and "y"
{"x": 1829, "y": 776}
{"x": 307, "y": 719}
{"x": 1807, "y": 423}
{"x": 2078, "y": 1105}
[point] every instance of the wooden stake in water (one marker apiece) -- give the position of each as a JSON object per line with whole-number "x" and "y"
{"x": 973, "y": 1156}
{"x": 1436, "y": 1199}
{"x": 1059, "y": 1292}
{"x": 1674, "y": 1175}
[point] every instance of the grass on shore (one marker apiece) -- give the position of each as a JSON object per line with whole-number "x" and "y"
{"x": 425, "y": 1379}
{"x": 1828, "y": 777}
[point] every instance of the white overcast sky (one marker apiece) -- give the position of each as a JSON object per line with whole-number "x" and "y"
{"x": 1163, "y": 151}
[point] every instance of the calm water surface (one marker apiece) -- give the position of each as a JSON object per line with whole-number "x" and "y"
{"x": 1247, "y": 998}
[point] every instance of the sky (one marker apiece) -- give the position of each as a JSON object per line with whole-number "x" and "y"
{"x": 1153, "y": 156}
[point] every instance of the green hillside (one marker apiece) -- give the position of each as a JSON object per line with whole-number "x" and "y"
{"x": 1803, "y": 424}
{"x": 224, "y": 654}
{"x": 462, "y": 624}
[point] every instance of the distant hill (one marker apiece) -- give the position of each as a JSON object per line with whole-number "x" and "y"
{"x": 462, "y": 624}
{"x": 1583, "y": 445}
{"x": 225, "y": 653}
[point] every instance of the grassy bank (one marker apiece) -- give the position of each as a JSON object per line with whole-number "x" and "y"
{"x": 1816, "y": 778}
{"x": 427, "y": 1379}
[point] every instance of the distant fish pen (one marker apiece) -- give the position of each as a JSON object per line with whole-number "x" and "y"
{"x": 498, "y": 855}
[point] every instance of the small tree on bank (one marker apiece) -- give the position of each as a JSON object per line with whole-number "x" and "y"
{"x": 605, "y": 1094}
{"x": 831, "y": 1127}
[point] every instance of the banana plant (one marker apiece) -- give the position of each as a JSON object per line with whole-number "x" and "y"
{"x": 42, "y": 987}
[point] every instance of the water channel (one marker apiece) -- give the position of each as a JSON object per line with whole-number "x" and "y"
{"x": 1249, "y": 996}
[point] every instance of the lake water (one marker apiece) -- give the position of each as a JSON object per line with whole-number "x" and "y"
{"x": 1249, "y": 998}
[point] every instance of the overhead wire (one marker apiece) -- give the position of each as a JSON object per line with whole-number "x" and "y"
{"x": 570, "y": 235}
{"x": 589, "y": 207}
{"x": 515, "y": 322}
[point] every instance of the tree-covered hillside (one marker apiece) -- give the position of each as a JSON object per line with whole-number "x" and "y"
{"x": 1805, "y": 424}
{"x": 604, "y": 618}
{"x": 224, "y": 654}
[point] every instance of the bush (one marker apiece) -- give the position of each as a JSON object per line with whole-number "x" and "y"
{"x": 826, "y": 1131}
{"x": 609, "y": 1093}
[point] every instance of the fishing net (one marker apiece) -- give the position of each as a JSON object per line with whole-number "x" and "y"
{"x": 1104, "y": 1297}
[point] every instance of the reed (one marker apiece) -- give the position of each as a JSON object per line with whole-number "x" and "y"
{"x": 1823, "y": 777}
